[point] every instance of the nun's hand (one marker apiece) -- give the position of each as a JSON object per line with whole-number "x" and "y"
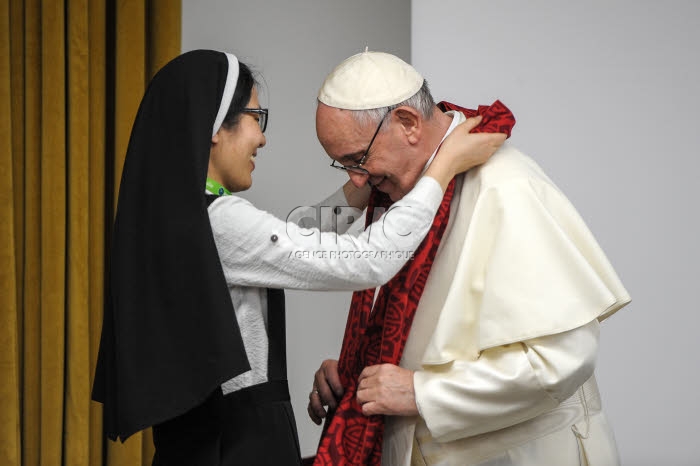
{"x": 468, "y": 149}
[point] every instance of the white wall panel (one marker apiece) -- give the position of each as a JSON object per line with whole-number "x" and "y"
{"x": 606, "y": 97}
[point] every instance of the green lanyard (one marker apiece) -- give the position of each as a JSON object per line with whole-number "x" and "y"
{"x": 216, "y": 188}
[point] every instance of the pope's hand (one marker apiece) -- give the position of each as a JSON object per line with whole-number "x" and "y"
{"x": 387, "y": 389}
{"x": 327, "y": 391}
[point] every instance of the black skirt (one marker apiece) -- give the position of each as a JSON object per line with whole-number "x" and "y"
{"x": 253, "y": 426}
{"x": 249, "y": 427}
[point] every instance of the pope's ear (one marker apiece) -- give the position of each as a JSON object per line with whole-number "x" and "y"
{"x": 410, "y": 121}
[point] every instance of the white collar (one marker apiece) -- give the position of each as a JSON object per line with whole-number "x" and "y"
{"x": 457, "y": 118}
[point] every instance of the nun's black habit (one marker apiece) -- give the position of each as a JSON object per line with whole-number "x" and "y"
{"x": 170, "y": 336}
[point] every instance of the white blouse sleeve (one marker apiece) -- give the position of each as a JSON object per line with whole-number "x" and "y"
{"x": 258, "y": 249}
{"x": 506, "y": 385}
{"x": 332, "y": 214}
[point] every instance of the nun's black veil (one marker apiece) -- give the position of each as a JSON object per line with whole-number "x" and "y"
{"x": 170, "y": 335}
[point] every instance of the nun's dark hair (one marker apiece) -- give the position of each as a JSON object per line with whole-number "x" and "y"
{"x": 241, "y": 96}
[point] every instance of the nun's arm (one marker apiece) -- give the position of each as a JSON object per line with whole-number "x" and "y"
{"x": 258, "y": 249}
{"x": 338, "y": 212}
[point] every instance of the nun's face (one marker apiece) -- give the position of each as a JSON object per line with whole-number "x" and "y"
{"x": 233, "y": 151}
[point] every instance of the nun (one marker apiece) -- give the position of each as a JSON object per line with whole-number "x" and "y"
{"x": 193, "y": 337}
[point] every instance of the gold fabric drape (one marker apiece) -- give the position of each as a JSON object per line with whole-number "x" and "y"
{"x": 72, "y": 74}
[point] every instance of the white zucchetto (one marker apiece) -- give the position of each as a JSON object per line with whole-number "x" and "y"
{"x": 370, "y": 80}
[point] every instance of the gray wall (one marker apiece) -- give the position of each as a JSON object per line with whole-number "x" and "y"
{"x": 294, "y": 44}
{"x": 607, "y": 101}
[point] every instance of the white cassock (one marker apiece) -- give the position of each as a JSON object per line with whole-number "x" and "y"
{"x": 505, "y": 337}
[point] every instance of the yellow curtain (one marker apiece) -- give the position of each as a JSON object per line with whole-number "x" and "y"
{"x": 72, "y": 74}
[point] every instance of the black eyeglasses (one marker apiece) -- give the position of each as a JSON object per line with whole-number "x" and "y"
{"x": 358, "y": 168}
{"x": 262, "y": 116}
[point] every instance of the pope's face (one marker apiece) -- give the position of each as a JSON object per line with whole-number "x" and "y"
{"x": 345, "y": 140}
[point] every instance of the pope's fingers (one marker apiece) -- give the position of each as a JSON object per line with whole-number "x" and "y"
{"x": 327, "y": 382}
{"x": 364, "y": 395}
{"x": 324, "y": 392}
{"x": 329, "y": 369}
{"x": 313, "y": 394}
{"x": 370, "y": 408}
{"x": 315, "y": 417}
{"x": 369, "y": 371}
{"x": 364, "y": 383}
{"x": 370, "y": 401}
{"x": 315, "y": 408}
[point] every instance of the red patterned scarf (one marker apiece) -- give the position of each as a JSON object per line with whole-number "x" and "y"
{"x": 349, "y": 437}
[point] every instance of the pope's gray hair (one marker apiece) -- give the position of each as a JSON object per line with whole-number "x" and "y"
{"x": 422, "y": 101}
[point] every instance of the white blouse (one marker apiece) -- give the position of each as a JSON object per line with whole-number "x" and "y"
{"x": 258, "y": 251}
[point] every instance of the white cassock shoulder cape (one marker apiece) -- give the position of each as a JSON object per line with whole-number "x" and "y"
{"x": 517, "y": 265}
{"x": 526, "y": 265}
